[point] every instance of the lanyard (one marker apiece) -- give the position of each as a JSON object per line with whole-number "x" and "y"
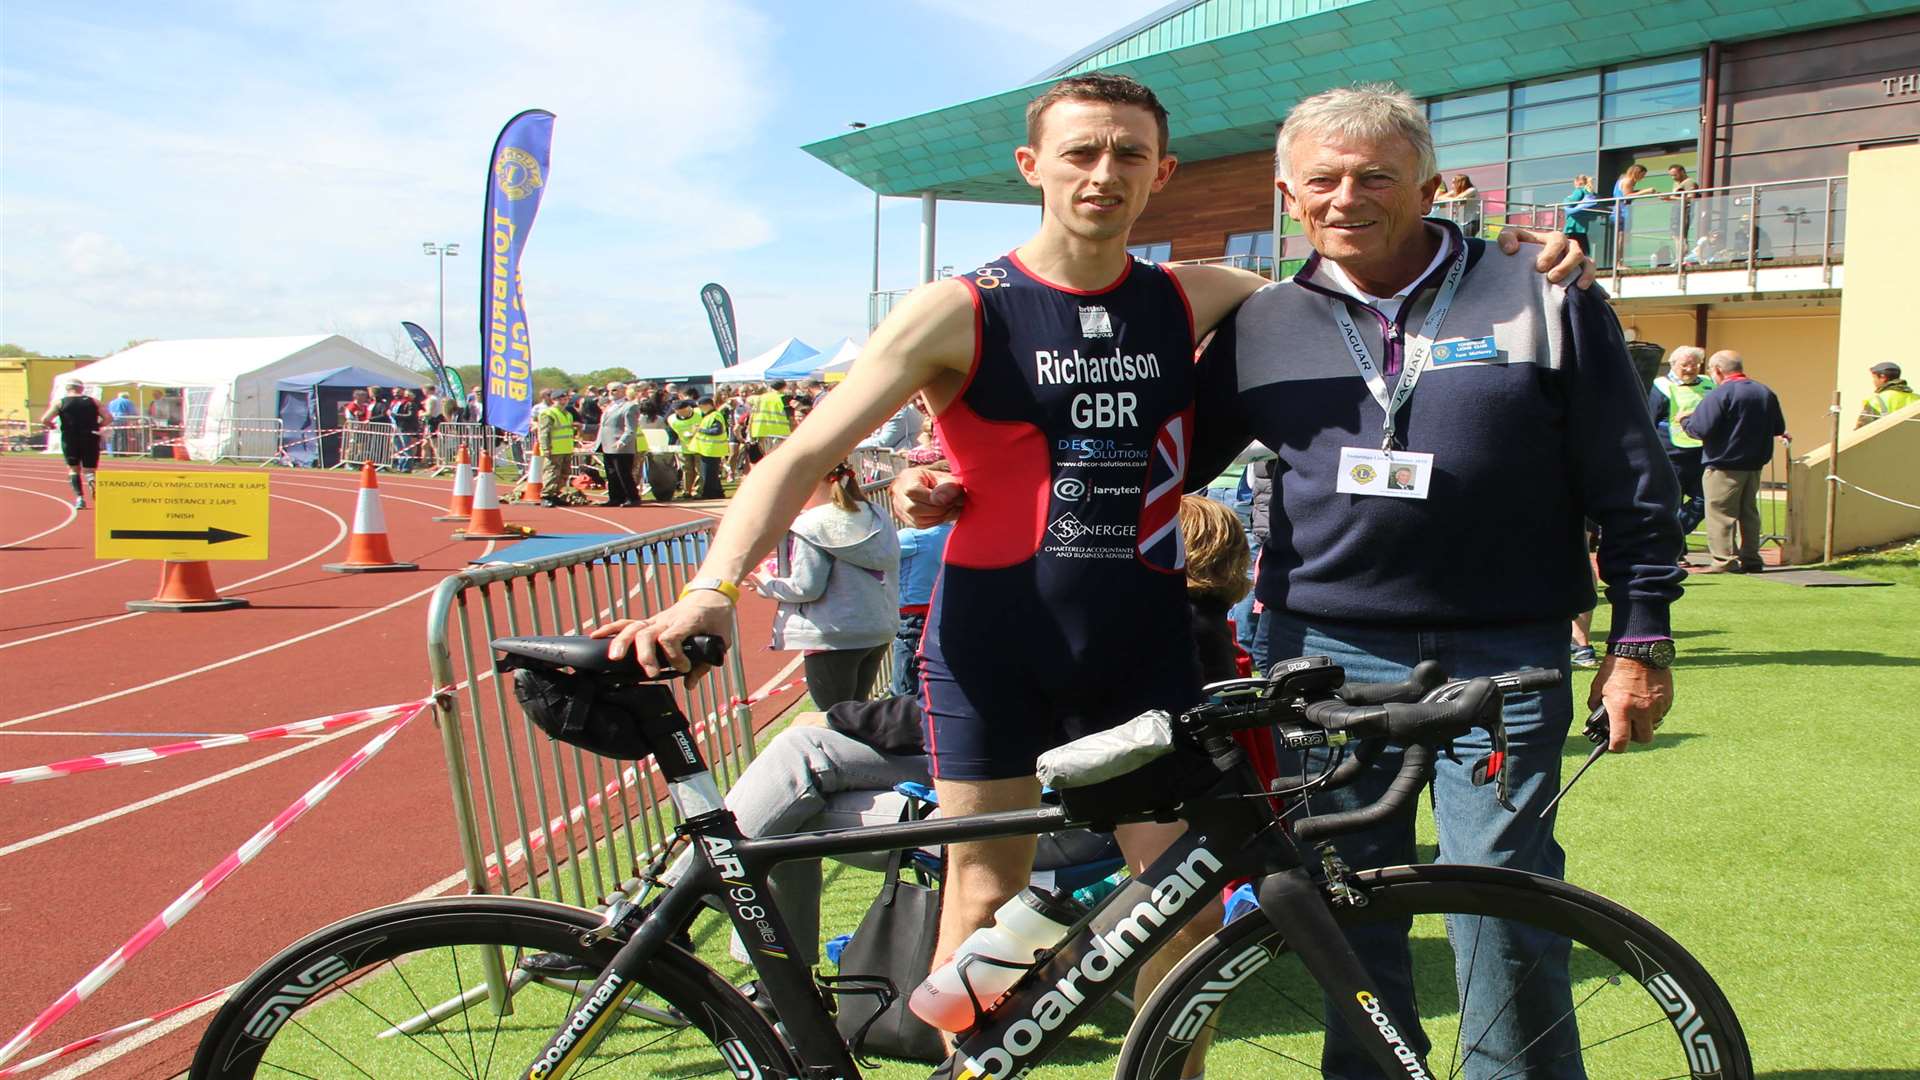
{"x": 1418, "y": 348}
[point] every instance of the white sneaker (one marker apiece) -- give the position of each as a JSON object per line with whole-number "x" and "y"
{"x": 79, "y": 503}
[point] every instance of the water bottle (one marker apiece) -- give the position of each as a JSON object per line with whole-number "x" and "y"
{"x": 992, "y": 959}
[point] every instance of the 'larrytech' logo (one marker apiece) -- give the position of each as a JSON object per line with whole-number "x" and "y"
{"x": 1070, "y": 489}
{"x": 1067, "y": 529}
{"x": 519, "y": 173}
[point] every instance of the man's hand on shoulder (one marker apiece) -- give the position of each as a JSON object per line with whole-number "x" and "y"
{"x": 927, "y": 497}
{"x": 1559, "y": 259}
{"x": 1637, "y": 697}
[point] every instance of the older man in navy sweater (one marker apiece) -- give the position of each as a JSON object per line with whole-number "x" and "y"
{"x": 1445, "y": 424}
{"x": 1736, "y": 425}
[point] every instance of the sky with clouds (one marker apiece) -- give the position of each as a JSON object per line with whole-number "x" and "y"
{"x": 262, "y": 168}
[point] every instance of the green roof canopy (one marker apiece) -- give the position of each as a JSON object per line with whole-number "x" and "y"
{"x": 1227, "y": 70}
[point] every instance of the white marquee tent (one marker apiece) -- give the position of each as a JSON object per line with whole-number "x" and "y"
{"x": 755, "y": 369}
{"x": 231, "y": 379}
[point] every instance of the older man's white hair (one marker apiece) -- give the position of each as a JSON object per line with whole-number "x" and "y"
{"x": 1366, "y": 112}
{"x": 1687, "y": 352}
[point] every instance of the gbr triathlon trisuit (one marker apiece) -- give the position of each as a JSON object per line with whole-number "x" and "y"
{"x": 1061, "y": 606}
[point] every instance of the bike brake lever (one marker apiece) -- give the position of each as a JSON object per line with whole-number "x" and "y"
{"x": 1596, "y": 733}
{"x": 1497, "y": 767}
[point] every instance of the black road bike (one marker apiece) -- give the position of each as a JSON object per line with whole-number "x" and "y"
{"x": 468, "y": 986}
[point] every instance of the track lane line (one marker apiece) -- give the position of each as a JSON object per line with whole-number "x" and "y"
{"x": 330, "y": 545}
{"x": 63, "y": 577}
{"x": 72, "y": 512}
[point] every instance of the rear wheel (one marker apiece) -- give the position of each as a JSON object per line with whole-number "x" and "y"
{"x": 1641, "y": 1006}
{"x": 452, "y": 988}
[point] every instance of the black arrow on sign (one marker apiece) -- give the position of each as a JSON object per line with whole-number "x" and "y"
{"x": 208, "y": 535}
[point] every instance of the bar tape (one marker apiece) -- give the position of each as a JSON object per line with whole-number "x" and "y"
{"x": 170, "y": 916}
{"x": 140, "y": 755}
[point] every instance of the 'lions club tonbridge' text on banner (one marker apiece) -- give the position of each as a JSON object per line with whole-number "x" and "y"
{"x": 516, "y": 178}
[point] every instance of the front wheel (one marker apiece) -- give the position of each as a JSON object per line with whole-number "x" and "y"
{"x": 472, "y": 988}
{"x": 1640, "y": 1006}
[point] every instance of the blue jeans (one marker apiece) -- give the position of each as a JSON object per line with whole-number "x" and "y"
{"x": 1518, "y": 987}
{"x": 906, "y": 655}
{"x": 1246, "y": 623}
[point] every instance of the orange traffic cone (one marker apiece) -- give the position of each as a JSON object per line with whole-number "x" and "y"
{"x": 367, "y": 549}
{"x": 186, "y": 586}
{"x": 486, "y": 522}
{"x": 460, "y": 508}
{"x": 180, "y": 450}
{"x": 535, "y": 479}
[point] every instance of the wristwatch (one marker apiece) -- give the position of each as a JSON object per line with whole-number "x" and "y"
{"x": 1657, "y": 653}
{"x": 712, "y": 584}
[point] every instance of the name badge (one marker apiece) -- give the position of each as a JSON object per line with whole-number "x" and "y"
{"x": 1401, "y": 474}
{"x": 1463, "y": 349}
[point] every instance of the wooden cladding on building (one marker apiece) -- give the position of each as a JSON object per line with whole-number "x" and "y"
{"x": 1208, "y": 201}
{"x": 1794, "y": 106}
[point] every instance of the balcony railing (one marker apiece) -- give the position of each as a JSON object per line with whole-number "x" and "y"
{"x": 1741, "y": 227}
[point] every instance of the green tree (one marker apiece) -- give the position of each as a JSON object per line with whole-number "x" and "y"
{"x": 553, "y": 378}
{"x": 606, "y": 375}
{"x": 470, "y": 375}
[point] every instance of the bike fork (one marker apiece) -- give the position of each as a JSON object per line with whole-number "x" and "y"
{"x": 1295, "y": 905}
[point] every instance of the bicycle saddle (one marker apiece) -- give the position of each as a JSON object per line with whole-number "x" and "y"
{"x": 581, "y": 653}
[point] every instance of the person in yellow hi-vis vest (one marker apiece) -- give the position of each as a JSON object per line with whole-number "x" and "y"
{"x": 1673, "y": 398}
{"x": 1890, "y": 394}
{"x": 555, "y": 427}
{"x": 768, "y": 422}
{"x": 681, "y": 422}
{"x": 710, "y": 447}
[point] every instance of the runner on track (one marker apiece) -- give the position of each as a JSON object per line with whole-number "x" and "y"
{"x": 1061, "y": 380}
{"x": 80, "y": 421}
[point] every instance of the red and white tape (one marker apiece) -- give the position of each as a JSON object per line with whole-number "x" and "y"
{"x": 140, "y": 755}
{"x": 109, "y": 1035}
{"x": 187, "y": 901}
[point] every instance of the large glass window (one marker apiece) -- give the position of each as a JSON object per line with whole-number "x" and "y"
{"x": 1251, "y": 243}
{"x": 1671, "y": 128}
{"x": 1558, "y": 114}
{"x": 1461, "y": 155}
{"x": 1469, "y": 127}
{"x": 1556, "y": 89}
{"x": 1160, "y": 252}
{"x": 1563, "y": 141}
{"x": 1655, "y": 72}
{"x": 1467, "y": 104}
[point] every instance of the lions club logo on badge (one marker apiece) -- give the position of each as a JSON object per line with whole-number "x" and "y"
{"x": 1441, "y": 352}
{"x": 519, "y": 173}
{"x": 1362, "y": 473}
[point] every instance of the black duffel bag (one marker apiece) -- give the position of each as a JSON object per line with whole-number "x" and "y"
{"x": 895, "y": 943}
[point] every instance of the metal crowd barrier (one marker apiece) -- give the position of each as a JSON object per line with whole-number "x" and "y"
{"x": 250, "y": 439}
{"x": 17, "y": 433}
{"x": 362, "y": 441}
{"x": 534, "y": 813}
{"x": 871, "y": 464}
{"x": 129, "y": 437}
{"x": 450, "y": 436}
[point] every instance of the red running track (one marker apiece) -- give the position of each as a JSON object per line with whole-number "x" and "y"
{"x": 88, "y": 859}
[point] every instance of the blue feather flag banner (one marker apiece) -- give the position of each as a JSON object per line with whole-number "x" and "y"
{"x": 424, "y": 342}
{"x": 516, "y": 179}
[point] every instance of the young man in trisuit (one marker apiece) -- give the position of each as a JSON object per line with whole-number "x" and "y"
{"x": 1061, "y": 379}
{"x": 80, "y": 420}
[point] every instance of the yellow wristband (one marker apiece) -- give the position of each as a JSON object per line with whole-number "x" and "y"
{"x": 725, "y": 588}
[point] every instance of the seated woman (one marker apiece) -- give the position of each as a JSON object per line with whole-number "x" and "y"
{"x": 838, "y": 769}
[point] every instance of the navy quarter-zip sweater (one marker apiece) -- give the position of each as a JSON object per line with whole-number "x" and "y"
{"x": 1736, "y": 425}
{"x": 1528, "y": 446}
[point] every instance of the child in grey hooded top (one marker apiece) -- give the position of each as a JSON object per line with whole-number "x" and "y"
{"x": 837, "y": 581}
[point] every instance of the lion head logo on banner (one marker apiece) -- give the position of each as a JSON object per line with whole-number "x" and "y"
{"x": 518, "y": 173}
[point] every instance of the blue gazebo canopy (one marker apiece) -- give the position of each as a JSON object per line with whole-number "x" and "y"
{"x": 347, "y": 376}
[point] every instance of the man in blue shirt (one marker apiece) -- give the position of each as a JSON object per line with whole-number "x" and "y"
{"x": 1736, "y": 425}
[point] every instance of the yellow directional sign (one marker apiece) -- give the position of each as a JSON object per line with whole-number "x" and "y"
{"x": 179, "y": 515}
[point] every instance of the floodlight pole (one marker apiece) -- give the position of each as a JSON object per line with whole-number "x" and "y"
{"x": 441, "y": 251}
